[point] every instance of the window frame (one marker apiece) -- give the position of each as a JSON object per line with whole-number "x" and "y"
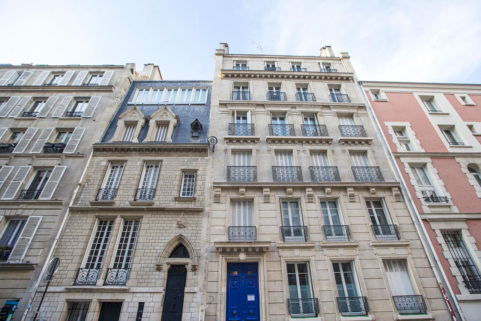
{"x": 182, "y": 185}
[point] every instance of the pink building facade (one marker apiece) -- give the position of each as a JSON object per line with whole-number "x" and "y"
{"x": 433, "y": 134}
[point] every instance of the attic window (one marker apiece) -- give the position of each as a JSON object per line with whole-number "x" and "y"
{"x": 196, "y": 128}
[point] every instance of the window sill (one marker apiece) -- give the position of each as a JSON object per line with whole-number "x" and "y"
{"x": 381, "y": 100}
{"x": 69, "y": 118}
{"x": 141, "y": 203}
{"x": 390, "y": 243}
{"x": 413, "y": 317}
{"x": 296, "y": 139}
{"x": 437, "y": 113}
{"x": 184, "y": 199}
{"x": 31, "y": 202}
{"x": 95, "y": 288}
{"x": 295, "y": 245}
{"x": 434, "y": 205}
{"x": 460, "y": 146}
{"x": 17, "y": 266}
{"x": 102, "y": 203}
{"x": 305, "y": 318}
{"x": 357, "y": 318}
{"x": 328, "y": 244}
{"x": 25, "y": 118}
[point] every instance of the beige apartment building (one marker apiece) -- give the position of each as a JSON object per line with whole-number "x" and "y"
{"x": 307, "y": 219}
{"x": 49, "y": 119}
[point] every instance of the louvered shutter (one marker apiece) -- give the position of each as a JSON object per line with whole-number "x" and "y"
{"x": 17, "y": 181}
{"x": 51, "y": 101}
{"x": 7, "y": 107}
{"x": 60, "y": 111}
{"x": 26, "y": 138}
{"x": 80, "y": 78}
{"x": 3, "y": 130}
{"x": 52, "y": 183}
{"x": 66, "y": 78}
{"x": 42, "y": 139}
{"x": 6, "y": 77}
{"x": 20, "y": 106}
{"x": 106, "y": 78}
{"x": 93, "y": 103}
{"x": 74, "y": 141}
{"x": 23, "y": 78}
{"x": 41, "y": 78}
{"x": 20, "y": 249}
{"x": 5, "y": 172}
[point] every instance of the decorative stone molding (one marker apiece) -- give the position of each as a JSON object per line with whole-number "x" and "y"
{"x": 396, "y": 193}
{"x": 373, "y": 191}
{"x": 131, "y": 116}
{"x": 289, "y": 192}
{"x": 163, "y": 116}
{"x": 351, "y": 194}
{"x": 310, "y": 195}
{"x": 328, "y": 191}
{"x": 217, "y": 192}
{"x": 267, "y": 195}
{"x": 242, "y": 191}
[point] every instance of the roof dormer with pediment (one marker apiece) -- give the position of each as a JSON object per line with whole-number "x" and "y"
{"x": 131, "y": 120}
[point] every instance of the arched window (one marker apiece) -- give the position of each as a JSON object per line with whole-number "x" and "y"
{"x": 180, "y": 252}
{"x": 473, "y": 170}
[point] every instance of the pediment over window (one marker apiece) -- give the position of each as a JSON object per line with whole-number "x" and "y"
{"x": 133, "y": 114}
{"x": 165, "y": 114}
{"x": 129, "y": 125}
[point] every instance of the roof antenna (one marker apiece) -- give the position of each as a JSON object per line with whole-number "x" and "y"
{"x": 257, "y": 46}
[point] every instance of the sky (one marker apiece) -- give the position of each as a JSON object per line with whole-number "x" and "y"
{"x": 410, "y": 40}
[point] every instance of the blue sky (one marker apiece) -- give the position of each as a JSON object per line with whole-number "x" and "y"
{"x": 435, "y": 41}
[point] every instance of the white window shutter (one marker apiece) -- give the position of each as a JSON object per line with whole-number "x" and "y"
{"x": 5, "y": 172}
{"x": 74, "y": 141}
{"x": 52, "y": 183}
{"x": 20, "y": 106}
{"x": 41, "y": 78}
{"x": 20, "y": 249}
{"x": 16, "y": 183}
{"x": 25, "y": 141}
{"x": 106, "y": 78}
{"x": 80, "y": 78}
{"x": 7, "y": 107}
{"x": 42, "y": 139}
{"x": 66, "y": 78}
{"x": 6, "y": 77}
{"x": 23, "y": 78}
{"x": 3, "y": 130}
{"x": 93, "y": 103}
{"x": 60, "y": 111}
{"x": 51, "y": 101}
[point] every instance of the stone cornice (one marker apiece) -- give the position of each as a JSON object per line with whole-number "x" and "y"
{"x": 312, "y": 75}
{"x": 27, "y": 203}
{"x": 416, "y": 86}
{"x": 288, "y": 104}
{"x": 49, "y": 89}
{"x": 134, "y": 209}
{"x": 436, "y": 154}
{"x": 244, "y": 56}
{"x": 152, "y": 147}
{"x": 76, "y": 67}
{"x": 304, "y": 184}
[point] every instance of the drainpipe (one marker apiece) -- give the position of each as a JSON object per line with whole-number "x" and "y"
{"x": 425, "y": 240}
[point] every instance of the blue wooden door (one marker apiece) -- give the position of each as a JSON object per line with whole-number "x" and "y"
{"x": 242, "y": 292}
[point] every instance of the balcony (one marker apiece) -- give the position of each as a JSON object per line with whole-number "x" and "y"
{"x": 287, "y": 173}
{"x": 30, "y": 114}
{"x": 328, "y": 70}
{"x": 314, "y": 130}
{"x": 281, "y": 130}
{"x": 5, "y": 251}
{"x": 274, "y": 95}
{"x": 7, "y": 148}
{"x": 144, "y": 194}
{"x": 242, "y": 233}
{"x": 305, "y": 96}
{"x": 51, "y": 148}
{"x": 241, "y": 129}
{"x": 87, "y": 277}
{"x": 241, "y": 95}
{"x": 367, "y": 174}
{"x": 352, "y": 131}
{"x": 106, "y": 194}
{"x": 386, "y": 232}
{"x": 73, "y": 114}
{"x": 117, "y": 276}
{"x": 240, "y": 68}
{"x": 272, "y": 68}
{"x": 324, "y": 174}
{"x": 294, "y": 233}
{"x": 30, "y": 194}
{"x": 336, "y": 233}
{"x": 436, "y": 199}
{"x": 410, "y": 304}
{"x": 298, "y": 69}
{"x": 242, "y": 173}
{"x": 353, "y": 305}
{"x": 340, "y": 98}
{"x": 472, "y": 282}
{"x": 303, "y": 307}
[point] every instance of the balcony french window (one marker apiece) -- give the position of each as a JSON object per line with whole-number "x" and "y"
{"x": 301, "y": 302}
{"x": 333, "y": 227}
{"x": 36, "y": 186}
{"x": 111, "y": 183}
{"x": 293, "y": 229}
{"x": 349, "y": 301}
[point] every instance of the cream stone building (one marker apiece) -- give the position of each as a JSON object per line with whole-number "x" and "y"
{"x": 307, "y": 219}
{"x": 132, "y": 246}
{"x": 49, "y": 116}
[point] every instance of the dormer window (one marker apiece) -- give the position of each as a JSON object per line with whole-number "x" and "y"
{"x": 55, "y": 80}
{"x": 129, "y": 126}
{"x": 196, "y": 128}
{"x": 240, "y": 65}
{"x": 129, "y": 131}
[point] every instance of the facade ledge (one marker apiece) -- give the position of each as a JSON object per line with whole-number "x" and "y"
{"x": 31, "y": 202}
{"x": 306, "y": 319}
{"x": 184, "y": 199}
{"x": 437, "y": 113}
{"x": 299, "y": 139}
{"x": 339, "y": 244}
{"x": 94, "y": 288}
{"x": 358, "y": 318}
{"x": 17, "y": 266}
{"x": 70, "y": 118}
{"x": 242, "y": 139}
{"x": 355, "y": 140}
{"x": 152, "y": 147}
{"x": 414, "y": 317}
{"x": 468, "y": 297}
{"x": 43, "y": 156}
{"x": 446, "y": 217}
{"x": 102, "y": 203}
{"x": 390, "y": 243}
{"x": 57, "y": 88}
{"x": 477, "y": 134}
{"x": 296, "y": 245}
{"x": 460, "y": 146}
{"x": 317, "y": 75}
{"x": 439, "y": 205}
{"x": 232, "y": 104}
{"x": 234, "y": 247}
{"x": 144, "y": 208}
{"x": 437, "y": 154}
{"x": 141, "y": 203}
{"x": 25, "y": 118}
{"x": 305, "y": 184}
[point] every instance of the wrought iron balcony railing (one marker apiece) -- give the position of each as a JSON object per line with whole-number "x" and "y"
{"x": 303, "y": 96}
{"x": 367, "y": 174}
{"x": 73, "y": 114}
{"x": 340, "y": 98}
{"x": 241, "y": 95}
{"x": 272, "y": 68}
{"x": 410, "y": 304}
{"x": 352, "y": 131}
{"x": 30, "y": 194}
{"x": 472, "y": 282}
{"x": 275, "y": 95}
{"x": 314, "y": 130}
{"x": 117, "y": 276}
{"x": 242, "y": 233}
{"x": 294, "y": 233}
{"x": 436, "y": 199}
{"x": 240, "y": 68}
{"x": 242, "y": 173}
{"x": 30, "y": 114}
{"x": 87, "y": 277}
{"x": 324, "y": 174}
{"x": 303, "y": 307}
{"x": 386, "y": 232}
{"x": 287, "y": 173}
{"x": 336, "y": 233}
{"x": 298, "y": 69}
{"x": 353, "y": 305}
{"x": 106, "y": 194}
{"x": 281, "y": 130}
{"x": 328, "y": 70}
{"x": 51, "y": 148}
{"x": 144, "y": 194}
{"x": 7, "y": 148}
{"x": 241, "y": 129}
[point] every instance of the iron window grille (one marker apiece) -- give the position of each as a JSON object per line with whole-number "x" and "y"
{"x": 340, "y": 98}
{"x": 305, "y": 96}
{"x": 339, "y": 233}
{"x": 353, "y": 305}
{"x": 287, "y": 173}
{"x": 281, "y": 130}
{"x": 7, "y": 148}
{"x": 303, "y": 307}
{"x": 242, "y": 173}
{"x": 314, "y": 130}
{"x": 294, "y": 233}
{"x": 241, "y": 95}
{"x": 386, "y": 232}
{"x": 367, "y": 174}
{"x": 275, "y": 95}
{"x": 106, "y": 194}
{"x": 324, "y": 174}
{"x": 144, "y": 194}
{"x": 87, "y": 276}
{"x": 242, "y": 233}
{"x": 410, "y": 304}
